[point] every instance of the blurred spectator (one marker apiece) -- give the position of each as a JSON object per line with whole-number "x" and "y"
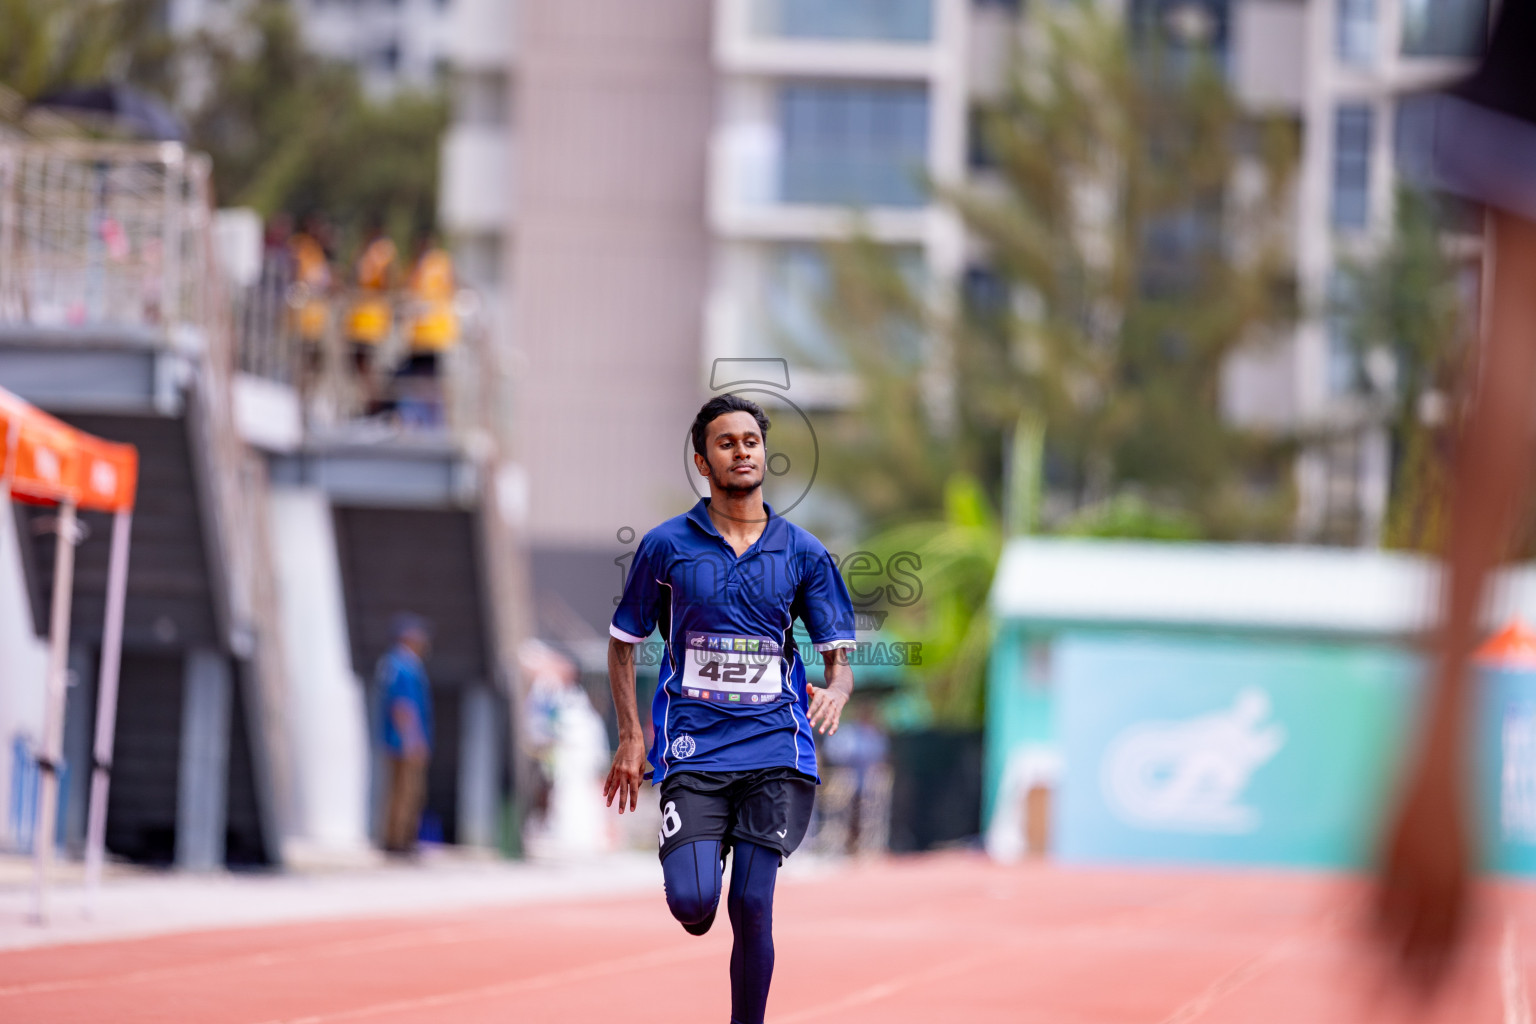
{"x": 434, "y": 330}
{"x": 406, "y": 730}
{"x": 310, "y": 302}
{"x": 857, "y": 755}
{"x": 570, "y": 743}
{"x": 369, "y": 319}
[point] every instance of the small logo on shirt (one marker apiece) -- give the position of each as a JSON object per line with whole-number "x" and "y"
{"x": 783, "y": 832}
{"x": 683, "y": 747}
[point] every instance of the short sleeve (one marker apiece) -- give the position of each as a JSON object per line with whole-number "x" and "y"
{"x": 823, "y": 604}
{"x": 638, "y": 609}
{"x": 1485, "y": 126}
{"x": 397, "y": 685}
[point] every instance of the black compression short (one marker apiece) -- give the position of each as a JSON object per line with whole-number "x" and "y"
{"x": 767, "y": 806}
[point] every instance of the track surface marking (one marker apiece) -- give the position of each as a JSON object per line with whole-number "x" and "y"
{"x": 943, "y": 938}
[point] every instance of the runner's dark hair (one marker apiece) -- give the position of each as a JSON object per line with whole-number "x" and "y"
{"x": 719, "y": 406}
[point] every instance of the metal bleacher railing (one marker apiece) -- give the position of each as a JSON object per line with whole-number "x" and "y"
{"x": 110, "y": 244}
{"x": 286, "y": 333}
{"x": 114, "y": 244}
{"x": 104, "y": 235}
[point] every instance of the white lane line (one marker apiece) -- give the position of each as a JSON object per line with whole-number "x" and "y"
{"x": 1517, "y": 1004}
{"x": 886, "y": 989}
{"x": 445, "y": 935}
{"x": 507, "y": 988}
{"x": 1251, "y": 968}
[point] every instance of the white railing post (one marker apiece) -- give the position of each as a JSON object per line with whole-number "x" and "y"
{"x": 53, "y": 709}
{"x": 106, "y": 706}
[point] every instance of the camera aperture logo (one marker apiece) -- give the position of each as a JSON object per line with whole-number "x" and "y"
{"x": 875, "y": 584}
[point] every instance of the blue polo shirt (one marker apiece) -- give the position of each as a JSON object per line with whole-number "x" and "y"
{"x": 732, "y": 694}
{"x": 401, "y": 676}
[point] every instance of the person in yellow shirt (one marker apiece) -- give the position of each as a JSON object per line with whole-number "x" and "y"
{"x": 312, "y": 280}
{"x": 370, "y": 318}
{"x": 434, "y": 330}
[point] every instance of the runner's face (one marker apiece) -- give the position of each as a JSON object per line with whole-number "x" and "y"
{"x": 733, "y": 454}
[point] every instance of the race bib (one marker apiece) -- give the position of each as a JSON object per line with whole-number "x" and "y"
{"x": 732, "y": 669}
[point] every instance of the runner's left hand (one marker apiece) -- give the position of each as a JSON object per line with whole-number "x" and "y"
{"x": 826, "y": 708}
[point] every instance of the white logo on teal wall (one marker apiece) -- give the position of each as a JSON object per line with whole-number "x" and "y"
{"x": 1190, "y": 775}
{"x": 1517, "y": 775}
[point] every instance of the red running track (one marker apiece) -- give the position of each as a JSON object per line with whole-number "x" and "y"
{"x": 933, "y": 940}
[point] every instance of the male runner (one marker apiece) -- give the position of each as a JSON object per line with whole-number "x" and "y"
{"x": 733, "y": 752}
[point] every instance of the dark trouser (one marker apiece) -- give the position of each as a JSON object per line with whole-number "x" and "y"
{"x": 407, "y": 794}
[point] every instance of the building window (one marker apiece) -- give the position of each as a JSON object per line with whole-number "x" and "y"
{"x": 1185, "y": 33}
{"x": 1445, "y": 28}
{"x": 1353, "y": 126}
{"x": 886, "y": 21}
{"x": 1345, "y": 374}
{"x": 1355, "y": 37}
{"x": 861, "y": 145}
{"x": 978, "y": 150}
{"x": 388, "y": 58}
{"x": 796, "y": 292}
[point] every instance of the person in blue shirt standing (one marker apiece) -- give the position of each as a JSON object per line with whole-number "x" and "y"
{"x": 406, "y": 701}
{"x": 733, "y": 754}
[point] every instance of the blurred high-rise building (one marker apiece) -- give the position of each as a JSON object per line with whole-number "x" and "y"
{"x": 1354, "y": 73}
{"x": 642, "y": 189}
{"x": 652, "y": 188}
{"x": 392, "y": 43}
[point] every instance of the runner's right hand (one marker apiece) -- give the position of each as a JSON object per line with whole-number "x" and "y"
{"x": 625, "y": 775}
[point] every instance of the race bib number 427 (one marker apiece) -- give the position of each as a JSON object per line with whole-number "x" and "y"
{"x": 732, "y": 669}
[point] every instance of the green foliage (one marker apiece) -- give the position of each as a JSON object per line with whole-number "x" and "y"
{"x": 291, "y": 131}
{"x": 1129, "y": 516}
{"x": 957, "y": 556}
{"x": 892, "y": 453}
{"x": 288, "y": 130}
{"x": 47, "y": 45}
{"x": 1136, "y": 267}
{"x": 1405, "y": 305}
{"x": 1136, "y": 223}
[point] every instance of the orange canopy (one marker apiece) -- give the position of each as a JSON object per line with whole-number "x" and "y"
{"x": 46, "y": 461}
{"x": 1514, "y": 646}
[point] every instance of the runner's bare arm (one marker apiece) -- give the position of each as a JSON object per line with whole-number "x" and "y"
{"x": 827, "y": 702}
{"x": 629, "y": 760}
{"x": 1423, "y": 886}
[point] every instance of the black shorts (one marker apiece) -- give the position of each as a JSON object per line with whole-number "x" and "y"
{"x": 768, "y": 806}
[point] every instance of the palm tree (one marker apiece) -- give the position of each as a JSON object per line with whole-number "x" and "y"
{"x": 1133, "y": 223}
{"x": 47, "y": 45}
{"x": 1404, "y": 315}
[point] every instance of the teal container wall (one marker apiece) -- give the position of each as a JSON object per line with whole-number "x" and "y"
{"x": 1020, "y": 706}
{"x": 1337, "y": 714}
{"x": 1505, "y": 750}
{"x": 1210, "y": 749}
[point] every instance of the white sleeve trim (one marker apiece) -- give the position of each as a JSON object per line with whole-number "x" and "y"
{"x": 832, "y": 645}
{"x": 619, "y": 634}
